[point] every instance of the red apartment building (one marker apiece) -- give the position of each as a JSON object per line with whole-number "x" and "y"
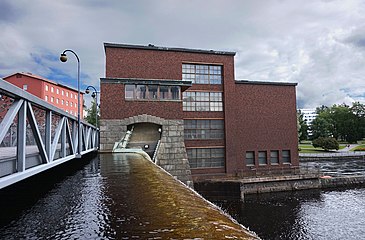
{"x": 219, "y": 126}
{"x": 56, "y": 94}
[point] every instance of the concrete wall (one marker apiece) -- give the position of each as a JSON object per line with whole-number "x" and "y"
{"x": 171, "y": 153}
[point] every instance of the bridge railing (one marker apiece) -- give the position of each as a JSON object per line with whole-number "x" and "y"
{"x": 35, "y": 135}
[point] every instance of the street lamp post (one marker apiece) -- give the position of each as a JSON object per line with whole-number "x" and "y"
{"x": 94, "y": 95}
{"x": 63, "y": 58}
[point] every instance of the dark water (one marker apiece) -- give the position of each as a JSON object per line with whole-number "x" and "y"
{"x": 115, "y": 197}
{"x": 338, "y": 214}
{"x": 340, "y": 167}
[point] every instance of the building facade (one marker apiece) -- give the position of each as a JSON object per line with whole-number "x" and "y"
{"x": 211, "y": 124}
{"x": 309, "y": 114}
{"x": 56, "y": 94}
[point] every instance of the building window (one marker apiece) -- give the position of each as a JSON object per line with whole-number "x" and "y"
{"x": 152, "y": 92}
{"x": 57, "y": 91}
{"x": 63, "y": 101}
{"x": 129, "y": 91}
{"x": 164, "y": 92}
{"x": 204, "y": 129}
{"x": 202, "y": 101}
{"x": 57, "y": 100}
{"x": 262, "y": 158}
{"x": 46, "y": 98}
{"x": 46, "y": 87}
{"x": 62, "y": 92}
{"x": 250, "y": 158}
{"x": 206, "y": 157}
{"x": 66, "y": 103}
{"x": 52, "y": 99}
{"x": 71, "y": 95}
{"x": 286, "y": 156}
{"x": 25, "y": 87}
{"x": 274, "y": 157}
{"x": 202, "y": 74}
{"x": 52, "y": 89}
{"x": 71, "y": 104}
{"x": 66, "y": 94}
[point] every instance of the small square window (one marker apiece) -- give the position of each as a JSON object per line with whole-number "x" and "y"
{"x": 274, "y": 157}
{"x": 262, "y": 157}
{"x": 286, "y": 156}
{"x": 250, "y": 158}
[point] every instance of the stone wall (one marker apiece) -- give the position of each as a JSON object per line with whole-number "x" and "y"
{"x": 171, "y": 154}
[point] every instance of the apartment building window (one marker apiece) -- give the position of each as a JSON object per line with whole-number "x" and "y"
{"x": 62, "y": 92}
{"x": 57, "y": 100}
{"x": 66, "y": 103}
{"x": 57, "y": 91}
{"x": 71, "y": 104}
{"x": 152, "y": 92}
{"x": 286, "y": 156}
{"x": 204, "y": 129}
{"x": 262, "y": 157}
{"x": 71, "y": 95}
{"x": 250, "y": 158}
{"x": 46, "y": 98}
{"x": 52, "y": 99}
{"x": 206, "y": 157}
{"x": 66, "y": 94}
{"x": 46, "y": 87}
{"x": 202, "y": 101}
{"x": 25, "y": 87}
{"x": 202, "y": 73}
{"x": 63, "y": 101}
{"x": 274, "y": 157}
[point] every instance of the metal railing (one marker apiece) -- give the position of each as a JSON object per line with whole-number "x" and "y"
{"x": 36, "y": 136}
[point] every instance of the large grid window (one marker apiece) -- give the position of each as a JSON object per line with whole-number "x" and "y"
{"x": 206, "y": 157}
{"x": 202, "y": 101}
{"x": 202, "y": 74}
{"x": 152, "y": 92}
{"x": 204, "y": 129}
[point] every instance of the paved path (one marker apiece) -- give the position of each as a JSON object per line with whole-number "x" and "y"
{"x": 346, "y": 149}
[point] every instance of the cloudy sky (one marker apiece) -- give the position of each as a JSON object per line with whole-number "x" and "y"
{"x": 318, "y": 44}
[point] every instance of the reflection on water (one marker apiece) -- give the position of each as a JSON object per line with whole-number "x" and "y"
{"x": 310, "y": 214}
{"x": 119, "y": 197}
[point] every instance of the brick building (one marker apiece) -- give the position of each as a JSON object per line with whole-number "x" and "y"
{"x": 210, "y": 123}
{"x": 56, "y": 94}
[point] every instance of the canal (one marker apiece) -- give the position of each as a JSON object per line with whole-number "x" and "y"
{"x": 112, "y": 196}
{"x": 116, "y": 197}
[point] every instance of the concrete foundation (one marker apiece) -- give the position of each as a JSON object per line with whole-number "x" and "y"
{"x": 171, "y": 153}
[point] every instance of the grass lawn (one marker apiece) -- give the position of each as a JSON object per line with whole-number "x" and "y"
{"x": 307, "y": 147}
{"x": 359, "y": 148}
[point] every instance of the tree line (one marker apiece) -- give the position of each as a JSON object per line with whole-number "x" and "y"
{"x": 341, "y": 122}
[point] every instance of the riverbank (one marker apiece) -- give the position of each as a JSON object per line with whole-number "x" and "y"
{"x": 238, "y": 188}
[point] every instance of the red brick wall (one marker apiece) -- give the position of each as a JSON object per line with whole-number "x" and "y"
{"x": 259, "y": 118}
{"x": 114, "y": 106}
{"x": 154, "y": 64}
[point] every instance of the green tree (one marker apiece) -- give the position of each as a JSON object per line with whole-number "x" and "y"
{"x": 326, "y": 143}
{"x": 91, "y": 114}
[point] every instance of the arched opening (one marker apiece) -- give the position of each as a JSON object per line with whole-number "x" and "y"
{"x": 145, "y": 136}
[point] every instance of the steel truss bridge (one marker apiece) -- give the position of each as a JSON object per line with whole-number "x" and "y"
{"x": 36, "y": 136}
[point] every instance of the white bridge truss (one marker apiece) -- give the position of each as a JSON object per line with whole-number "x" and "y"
{"x": 53, "y": 135}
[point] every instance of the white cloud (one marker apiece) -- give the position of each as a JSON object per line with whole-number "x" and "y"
{"x": 319, "y": 44}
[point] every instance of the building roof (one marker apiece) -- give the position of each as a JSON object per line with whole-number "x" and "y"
{"x": 174, "y": 49}
{"x": 42, "y": 79}
{"x": 265, "y": 83}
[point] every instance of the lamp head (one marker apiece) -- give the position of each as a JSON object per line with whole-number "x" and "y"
{"x": 93, "y": 95}
{"x": 87, "y": 91}
{"x": 63, "y": 57}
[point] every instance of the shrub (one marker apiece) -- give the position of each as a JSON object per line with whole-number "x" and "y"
{"x": 326, "y": 143}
